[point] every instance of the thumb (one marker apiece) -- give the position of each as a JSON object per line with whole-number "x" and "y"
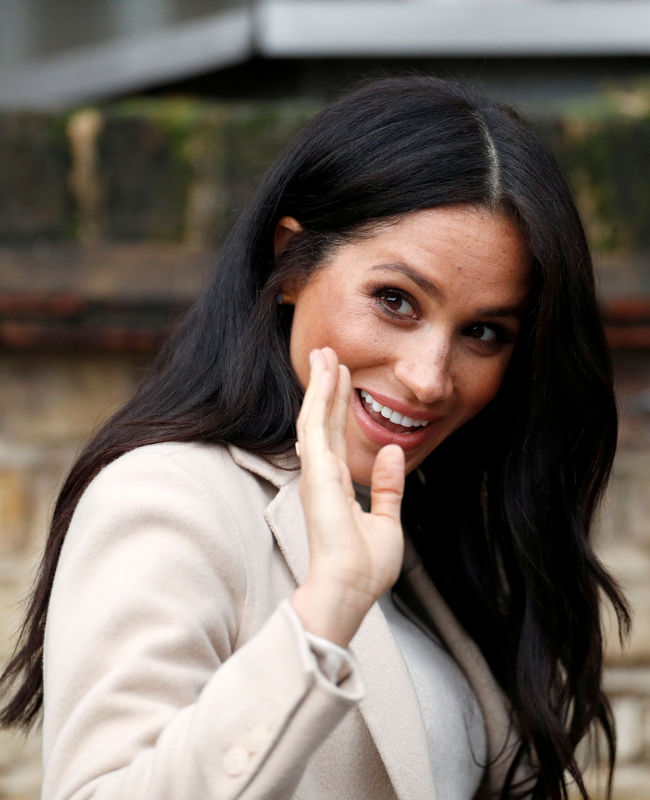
{"x": 387, "y": 482}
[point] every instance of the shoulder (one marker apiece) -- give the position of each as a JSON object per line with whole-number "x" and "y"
{"x": 169, "y": 462}
{"x": 170, "y": 493}
{"x": 169, "y": 473}
{"x": 160, "y": 521}
{"x": 199, "y": 489}
{"x": 206, "y": 467}
{"x": 175, "y": 502}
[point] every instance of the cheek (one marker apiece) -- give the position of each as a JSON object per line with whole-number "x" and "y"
{"x": 348, "y": 331}
{"x": 302, "y": 341}
{"x": 481, "y": 385}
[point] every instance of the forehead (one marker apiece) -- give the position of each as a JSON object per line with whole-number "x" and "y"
{"x": 469, "y": 248}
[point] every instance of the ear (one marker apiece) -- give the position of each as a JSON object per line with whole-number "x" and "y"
{"x": 285, "y": 230}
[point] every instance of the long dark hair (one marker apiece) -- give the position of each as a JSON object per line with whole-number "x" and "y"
{"x": 502, "y": 522}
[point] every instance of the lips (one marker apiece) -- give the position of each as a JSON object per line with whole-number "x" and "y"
{"x": 382, "y": 426}
{"x": 388, "y": 416}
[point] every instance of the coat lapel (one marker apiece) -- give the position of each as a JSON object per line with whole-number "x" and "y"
{"x": 284, "y": 513}
{"x": 390, "y": 708}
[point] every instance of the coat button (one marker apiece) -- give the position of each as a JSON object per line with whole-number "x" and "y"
{"x": 235, "y": 761}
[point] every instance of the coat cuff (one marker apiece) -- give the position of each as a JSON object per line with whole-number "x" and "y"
{"x": 335, "y": 663}
{"x": 268, "y": 737}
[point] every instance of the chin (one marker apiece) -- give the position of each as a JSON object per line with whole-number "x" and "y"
{"x": 361, "y": 469}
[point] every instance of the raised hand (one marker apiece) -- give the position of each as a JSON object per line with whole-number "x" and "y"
{"x": 354, "y": 556}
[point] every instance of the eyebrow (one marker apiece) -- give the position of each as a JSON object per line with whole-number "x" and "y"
{"x": 516, "y": 311}
{"x": 424, "y": 283}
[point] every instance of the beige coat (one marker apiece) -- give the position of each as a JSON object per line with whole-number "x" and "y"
{"x": 175, "y": 669}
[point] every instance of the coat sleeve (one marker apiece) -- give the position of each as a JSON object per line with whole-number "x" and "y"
{"x": 148, "y": 691}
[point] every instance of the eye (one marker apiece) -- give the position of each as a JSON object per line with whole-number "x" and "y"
{"x": 483, "y": 333}
{"x": 396, "y": 302}
{"x": 491, "y": 336}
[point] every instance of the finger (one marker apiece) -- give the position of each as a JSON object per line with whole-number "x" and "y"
{"x": 331, "y": 359}
{"x": 331, "y": 365}
{"x": 315, "y": 369}
{"x": 339, "y": 414}
{"x": 314, "y": 436}
{"x": 387, "y": 482}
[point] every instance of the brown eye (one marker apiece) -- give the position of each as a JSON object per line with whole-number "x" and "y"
{"x": 396, "y": 303}
{"x": 484, "y": 333}
{"x": 489, "y": 337}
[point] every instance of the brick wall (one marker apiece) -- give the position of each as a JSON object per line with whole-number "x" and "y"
{"x": 108, "y": 224}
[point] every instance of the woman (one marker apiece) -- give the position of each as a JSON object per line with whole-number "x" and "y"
{"x": 415, "y": 263}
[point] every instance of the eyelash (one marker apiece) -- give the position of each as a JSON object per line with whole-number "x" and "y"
{"x": 501, "y": 335}
{"x": 381, "y": 293}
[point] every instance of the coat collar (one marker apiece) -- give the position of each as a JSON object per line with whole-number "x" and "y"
{"x": 277, "y": 470}
{"x": 399, "y": 737}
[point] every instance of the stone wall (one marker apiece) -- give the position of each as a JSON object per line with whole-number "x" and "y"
{"x": 108, "y": 223}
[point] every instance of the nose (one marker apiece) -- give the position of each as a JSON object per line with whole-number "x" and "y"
{"x": 425, "y": 370}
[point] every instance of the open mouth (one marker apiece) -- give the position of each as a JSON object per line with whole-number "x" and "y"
{"x": 388, "y": 418}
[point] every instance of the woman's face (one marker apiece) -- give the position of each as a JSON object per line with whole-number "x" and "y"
{"x": 425, "y": 313}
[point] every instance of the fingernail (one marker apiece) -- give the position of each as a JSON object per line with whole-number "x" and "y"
{"x": 312, "y": 355}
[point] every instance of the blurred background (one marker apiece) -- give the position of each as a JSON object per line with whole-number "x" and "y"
{"x": 131, "y": 135}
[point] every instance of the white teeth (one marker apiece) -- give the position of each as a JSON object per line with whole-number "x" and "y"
{"x": 389, "y": 413}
